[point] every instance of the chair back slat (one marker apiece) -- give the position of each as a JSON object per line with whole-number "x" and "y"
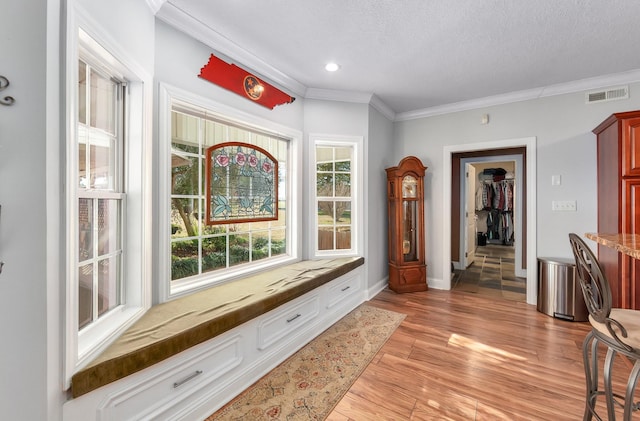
{"x": 595, "y": 286}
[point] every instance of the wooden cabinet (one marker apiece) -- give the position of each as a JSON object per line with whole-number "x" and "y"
{"x": 618, "y": 148}
{"x": 405, "y": 199}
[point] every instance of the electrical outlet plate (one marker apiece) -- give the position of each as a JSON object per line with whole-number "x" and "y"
{"x": 564, "y": 205}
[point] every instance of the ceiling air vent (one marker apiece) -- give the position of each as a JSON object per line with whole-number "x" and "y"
{"x": 611, "y": 94}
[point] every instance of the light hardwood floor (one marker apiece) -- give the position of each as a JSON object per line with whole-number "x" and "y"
{"x": 464, "y": 356}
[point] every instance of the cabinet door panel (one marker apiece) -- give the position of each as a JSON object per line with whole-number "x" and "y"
{"x": 631, "y": 206}
{"x": 631, "y": 147}
{"x": 629, "y": 288}
{"x": 628, "y": 285}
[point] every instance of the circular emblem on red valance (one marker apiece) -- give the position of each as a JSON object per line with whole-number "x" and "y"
{"x": 252, "y": 87}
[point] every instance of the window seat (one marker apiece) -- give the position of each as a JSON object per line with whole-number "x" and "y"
{"x": 172, "y": 327}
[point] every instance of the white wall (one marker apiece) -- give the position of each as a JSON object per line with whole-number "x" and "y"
{"x": 565, "y": 146}
{"x": 378, "y": 156}
{"x": 130, "y": 24}
{"x": 31, "y": 194}
{"x": 23, "y": 282}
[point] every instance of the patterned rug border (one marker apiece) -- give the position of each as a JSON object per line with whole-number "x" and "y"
{"x": 314, "y": 403}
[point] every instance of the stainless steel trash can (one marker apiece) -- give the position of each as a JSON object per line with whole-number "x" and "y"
{"x": 559, "y": 292}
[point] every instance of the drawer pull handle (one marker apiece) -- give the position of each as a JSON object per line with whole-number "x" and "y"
{"x": 345, "y": 288}
{"x": 186, "y": 379}
{"x": 293, "y": 318}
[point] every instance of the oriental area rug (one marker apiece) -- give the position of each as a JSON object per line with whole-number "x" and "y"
{"x": 310, "y": 383}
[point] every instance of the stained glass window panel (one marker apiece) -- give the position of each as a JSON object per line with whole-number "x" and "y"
{"x": 242, "y": 184}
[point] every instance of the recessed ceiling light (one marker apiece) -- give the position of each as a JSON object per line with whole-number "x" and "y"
{"x": 331, "y": 67}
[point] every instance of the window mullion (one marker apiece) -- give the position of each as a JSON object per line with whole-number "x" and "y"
{"x": 201, "y": 130}
{"x": 335, "y": 204}
{"x": 94, "y": 264}
{"x": 87, "y": 117}
{"x": 120, "y": 137}
{"x": 335, "y": 218}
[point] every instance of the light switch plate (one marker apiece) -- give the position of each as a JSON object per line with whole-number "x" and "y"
{"x": 564, "y": 205}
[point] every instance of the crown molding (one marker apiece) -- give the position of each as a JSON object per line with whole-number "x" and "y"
{"x": 590, "y": 84}
{"x": 155, "y": 5}
{"x": 525, "y": 95}
{"x": 199, "y": 31}
{"x": 470, "y": 105}
{"x": 338, "y": 95}
{"x": 351, "y": 96}
{"x": 383, "y": 108}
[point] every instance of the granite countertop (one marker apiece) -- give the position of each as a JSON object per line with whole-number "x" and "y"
{"x": 628, "y": 244}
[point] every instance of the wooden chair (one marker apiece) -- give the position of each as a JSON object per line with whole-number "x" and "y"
{"x": 618, "y": 329}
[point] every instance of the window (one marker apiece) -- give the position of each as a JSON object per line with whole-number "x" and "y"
{"x": 100, "y": 193}
{"x": 108, "y": 171}
{"x": 333, "y": 197}
{"x": 336, "y": 195}
{"x": 204, "y": 253}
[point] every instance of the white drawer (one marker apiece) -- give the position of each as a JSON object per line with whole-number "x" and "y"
{"x": 343, "y": 289}
{"x": 170, "y": 381}
{"x": 286, "y": 319}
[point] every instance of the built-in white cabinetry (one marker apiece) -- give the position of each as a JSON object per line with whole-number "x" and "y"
{"x": 342, "y": 290}
{"x": 158, "y": 394}
{"x": 287, "y": 320}
{"x": 194, "y": 383}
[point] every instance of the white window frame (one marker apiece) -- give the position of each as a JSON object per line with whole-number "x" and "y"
{"x": 169, "y": 290}
{"x": 102, "y": 51}
{"x": 357, "y": 194}
{"x": 116, "y": 193}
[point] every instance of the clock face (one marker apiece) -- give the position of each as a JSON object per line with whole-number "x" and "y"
{"x": 409, "y": 186}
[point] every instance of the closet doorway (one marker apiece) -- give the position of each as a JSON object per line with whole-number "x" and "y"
{"x": 486, "y": 208}
{"x": 490, "y": 253}
{"x": 452, "y": 156}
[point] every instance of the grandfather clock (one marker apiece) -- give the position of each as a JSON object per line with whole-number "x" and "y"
{"x": 405, "y": 200}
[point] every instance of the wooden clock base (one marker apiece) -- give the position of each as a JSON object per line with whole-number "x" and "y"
{"x": 408, "y": 278}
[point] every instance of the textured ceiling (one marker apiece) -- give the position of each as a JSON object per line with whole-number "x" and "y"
{"x": 420, "y": 54}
